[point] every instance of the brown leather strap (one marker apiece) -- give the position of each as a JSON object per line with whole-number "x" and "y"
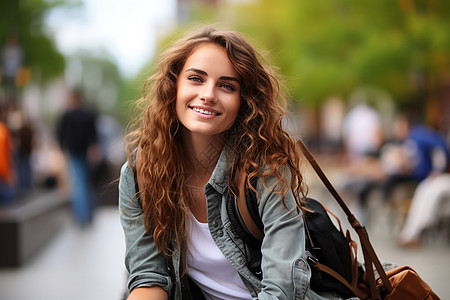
{"x": 247, "y": 218}
{"x": 372, "y": 258}
{"x": 327, "y": 183}
{"x": 243, "y": 209}
{"x": 355, "y": 290}
{"x": 367, "y": 248}
{"x": 370, "y": 277}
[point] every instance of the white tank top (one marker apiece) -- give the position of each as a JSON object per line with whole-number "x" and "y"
{"x": 209, "y": 268}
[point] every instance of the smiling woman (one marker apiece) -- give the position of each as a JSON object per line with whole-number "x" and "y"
{"x": 210, "y": 127}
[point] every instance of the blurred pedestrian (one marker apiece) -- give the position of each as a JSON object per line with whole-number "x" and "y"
{"x": 362, "y": 132}
{"x": 78, "y": 136}
{"x": 362, "y": 138}
{"x": 24, "y": 138}
{"x": 431, "y": 170}
{"x": 410, "y": 158}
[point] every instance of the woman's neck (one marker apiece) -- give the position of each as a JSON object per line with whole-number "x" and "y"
{"x": 201, "y": 152}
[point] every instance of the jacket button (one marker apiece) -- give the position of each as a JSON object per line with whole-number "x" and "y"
{"x": 215, "y": 224}
{"x": 240, "y": 261}
{"x": 220, "y": 233}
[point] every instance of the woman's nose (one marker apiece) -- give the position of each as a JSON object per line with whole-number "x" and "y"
{"x": 207, "y": 93}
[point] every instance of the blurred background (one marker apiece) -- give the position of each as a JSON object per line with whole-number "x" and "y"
{"x": 369, "y": 92}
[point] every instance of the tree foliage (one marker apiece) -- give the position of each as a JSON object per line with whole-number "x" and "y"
{"x": 24, "y": 19}
{"x": 329, "y": 47}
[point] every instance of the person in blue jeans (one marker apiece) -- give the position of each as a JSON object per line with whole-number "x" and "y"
{"x": 77, "y": 134}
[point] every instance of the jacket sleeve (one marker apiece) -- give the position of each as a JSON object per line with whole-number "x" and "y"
{"x": 286, "y": 273}
{"x": 145, "y": 264}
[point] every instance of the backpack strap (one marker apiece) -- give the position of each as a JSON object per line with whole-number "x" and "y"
{"x": 357, "y": 291}
{"x": 248, "y": 210}
{"x": 240, "y": 222}
{"x": 243, "y": 215}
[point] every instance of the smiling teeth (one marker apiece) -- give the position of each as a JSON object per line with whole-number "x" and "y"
{"x": 205, "y": 112}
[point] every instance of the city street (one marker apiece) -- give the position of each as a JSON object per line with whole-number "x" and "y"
{"x": 167, "y": 85}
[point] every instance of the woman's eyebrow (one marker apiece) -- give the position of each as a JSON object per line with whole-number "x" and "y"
{"x": 228, "y": 78}
{"x": 197, "y": 71}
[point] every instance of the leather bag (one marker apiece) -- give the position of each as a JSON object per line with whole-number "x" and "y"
{"x": 406, "y": 284}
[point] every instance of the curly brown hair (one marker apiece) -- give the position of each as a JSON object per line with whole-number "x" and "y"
{"x": 257, "y": 137}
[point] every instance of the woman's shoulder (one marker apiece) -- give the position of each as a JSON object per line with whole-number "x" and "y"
{"x": 126, "y": 169}
{"x": 127, "y": 188}
{"x": 127, "y": 178}
{"x": 129, "y": 165}
{"x": 274, "y": 183}
{"x": 268, "y": 176}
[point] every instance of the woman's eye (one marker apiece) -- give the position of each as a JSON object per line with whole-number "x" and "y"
{"x": 228, "y": 86}
{"x": 195, "y": 78}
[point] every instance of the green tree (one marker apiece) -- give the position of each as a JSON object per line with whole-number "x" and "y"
{"x": 331, "y": 47}
{"x": 24, "y": 20}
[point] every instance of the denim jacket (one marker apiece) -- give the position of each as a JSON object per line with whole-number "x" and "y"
{"x": 285, "y": 271}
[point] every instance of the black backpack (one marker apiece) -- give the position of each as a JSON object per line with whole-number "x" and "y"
{"x": 328, "y": 251}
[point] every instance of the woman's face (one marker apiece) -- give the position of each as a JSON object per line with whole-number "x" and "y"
{"x": 208, "y": 91}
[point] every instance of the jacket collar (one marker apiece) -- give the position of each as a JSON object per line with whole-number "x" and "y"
{"x": 219, "y": 177}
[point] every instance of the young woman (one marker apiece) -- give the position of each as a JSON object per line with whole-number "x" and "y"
{"x": 211, "y": 124}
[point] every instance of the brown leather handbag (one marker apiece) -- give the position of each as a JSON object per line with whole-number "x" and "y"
{"x": 406, "y": 284}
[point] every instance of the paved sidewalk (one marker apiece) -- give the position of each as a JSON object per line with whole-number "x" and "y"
{"x": 79, "y": 264}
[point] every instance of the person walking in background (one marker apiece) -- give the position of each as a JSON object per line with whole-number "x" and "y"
{"x": 78, "y": 136}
